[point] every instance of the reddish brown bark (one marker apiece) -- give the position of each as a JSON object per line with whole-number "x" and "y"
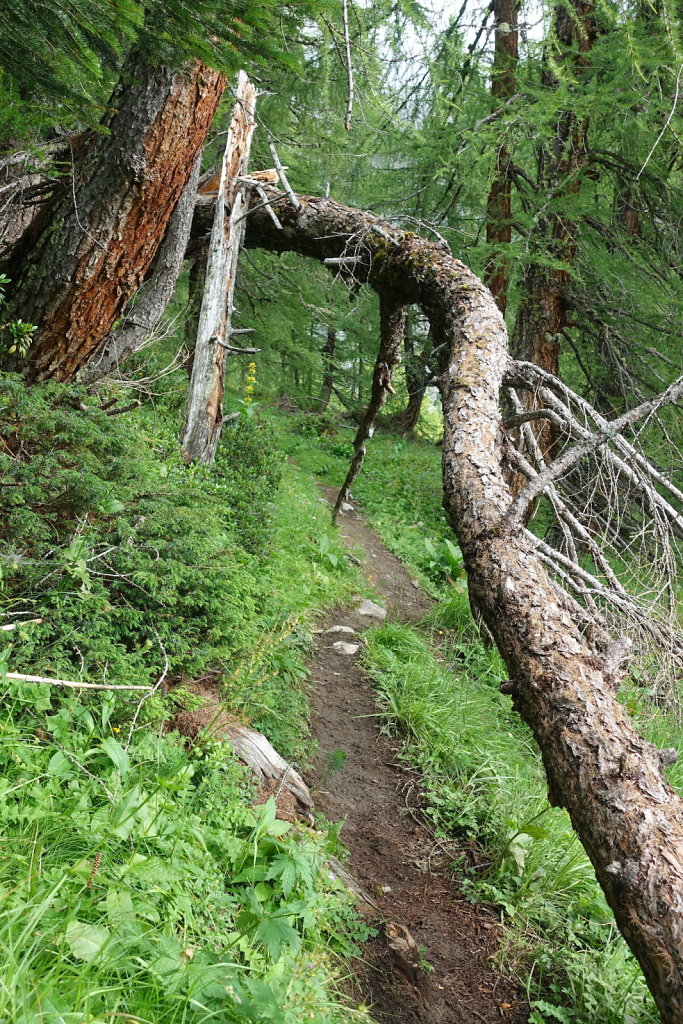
{"x": 499, "y": 205}
{"x": 95, "y": 242}
{"x": 608, "y": 777}
{"x": 544, "y": 307}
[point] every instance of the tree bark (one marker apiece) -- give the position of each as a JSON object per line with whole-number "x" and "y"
{"x": 204, "y": 407}
{"x": 143, "y": 317}
{"x": 93, "y": 245}
{"x": 543, "y": 310}
{"x": 499, "y": 204}
{"x": 608, "y": 777}
{"x": 416, "y": 383}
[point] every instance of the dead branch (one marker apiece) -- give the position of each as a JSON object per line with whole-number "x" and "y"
{"x": 71, "y": 684}
{"x": 392, "y": 321}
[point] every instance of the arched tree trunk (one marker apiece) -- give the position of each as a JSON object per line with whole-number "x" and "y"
{"x": 91, "y": 248}
{"x": 608, "y": 777}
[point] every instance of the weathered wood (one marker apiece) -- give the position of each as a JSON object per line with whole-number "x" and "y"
{"x": 275, "y": 775}
{"x": 606, "y": 775}
{"x": 204, "y": 408}
{"x": 96, "y": 240}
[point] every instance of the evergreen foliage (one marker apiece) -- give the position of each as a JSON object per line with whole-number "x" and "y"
{"x": 65, "y": 56}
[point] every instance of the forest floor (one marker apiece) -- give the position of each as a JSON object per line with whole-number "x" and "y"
{"x": 394, "y": 855}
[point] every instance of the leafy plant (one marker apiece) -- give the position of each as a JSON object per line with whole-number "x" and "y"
{"x": 20, "y": 333}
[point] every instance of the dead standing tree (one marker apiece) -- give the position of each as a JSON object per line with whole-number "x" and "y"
{"x": 204, "y": 408}
{"x": 564, "y": 670}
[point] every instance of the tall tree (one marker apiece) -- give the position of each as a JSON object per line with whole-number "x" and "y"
{"x": 499, "y": 203}
{"x": 85, "y": 256}
{"x": 543, "y": 308}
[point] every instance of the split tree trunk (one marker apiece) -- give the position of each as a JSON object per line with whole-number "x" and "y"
{"x": 95, "y": 242}
{"x": 499, "y": 204}
{"x": 204, "y": 408}
{"x": 608, "y": 777}
{"x": 156, "y": 293}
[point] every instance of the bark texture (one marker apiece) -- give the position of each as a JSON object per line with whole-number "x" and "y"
{"x": 608, "y": 777}
{"x": 95, "y": 242}
{"x": 142, "y": 319}
{"x": 204, "y": 408}
{"x": 416, "y": 376}
{"x": 544, "y": 311}
{"x": 499, "y": 204}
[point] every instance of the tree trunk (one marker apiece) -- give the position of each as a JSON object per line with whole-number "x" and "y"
{"x": 204, "y": 408}
{"x": 92, "y": 247}
{"x": 143, "y": 317}
{"x": 543, "y": 310}
{"x": 327, "y": 351}
{"x": 499, "y": 205}
{"x": 195, "y": 291}
{"x": 416, "y": 384}
{"x": 608, "y": 777}
{"x": 392, "y": 328}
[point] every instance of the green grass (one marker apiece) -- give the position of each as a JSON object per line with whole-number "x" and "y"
{"x": 136, "y": 882}
{"x": 482, "y": 771}
{"x": 484, "y": 782}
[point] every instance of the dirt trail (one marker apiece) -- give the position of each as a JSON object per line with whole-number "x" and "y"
{"x": 392, "y": 853}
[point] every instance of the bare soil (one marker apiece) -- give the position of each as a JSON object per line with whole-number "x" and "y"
{"x": 393, "y": 854}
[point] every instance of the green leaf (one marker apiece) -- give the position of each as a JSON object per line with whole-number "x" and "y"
{"x": 86, "y": 941}
{"x": 275, "y": 933}
{"x": 117, "y": 754}
{"x": 59, "y": 765}
{"x": 284, "y": 868}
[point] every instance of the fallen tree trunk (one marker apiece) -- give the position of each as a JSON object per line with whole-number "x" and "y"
{"x": 607, "y": 776}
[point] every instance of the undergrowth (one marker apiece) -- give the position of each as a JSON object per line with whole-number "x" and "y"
{"x": 136, "y": 881}
{"x": 483, "y": 775}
